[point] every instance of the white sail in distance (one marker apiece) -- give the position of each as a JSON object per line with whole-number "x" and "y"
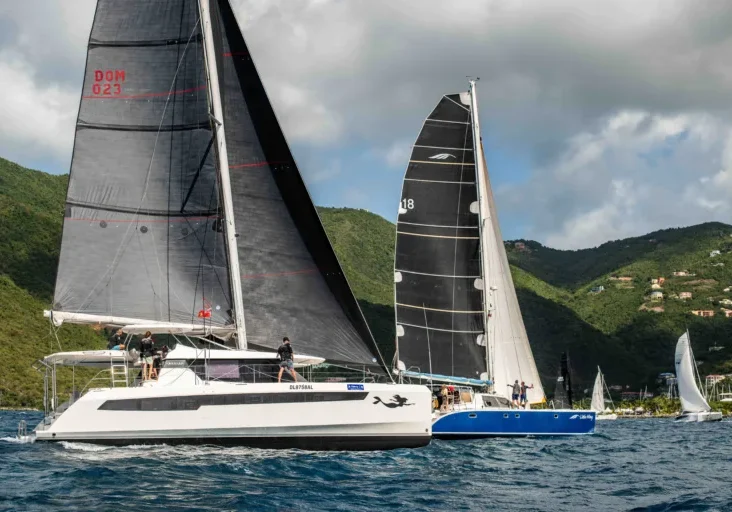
{"x": 510, "y": 353}
{"x": 691, "y": 398}
{"x": 598, "y": 393}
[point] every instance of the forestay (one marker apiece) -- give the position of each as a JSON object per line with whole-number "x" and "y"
{"x": 140, "y": 237}
{"x": 691, "y": 398}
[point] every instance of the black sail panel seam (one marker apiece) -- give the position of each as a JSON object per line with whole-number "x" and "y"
{"x": 95, "y": 43}
{"x": 142, "y": 211}
{"x": 144, "y": 128}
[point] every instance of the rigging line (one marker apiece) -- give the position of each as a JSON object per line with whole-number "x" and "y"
{"x": 126, "y": 237}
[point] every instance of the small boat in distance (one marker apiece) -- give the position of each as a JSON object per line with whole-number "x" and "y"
{"x": 694, "y": 406}
{"x": 598, "y": 399}
{"x": 458, "y": 322}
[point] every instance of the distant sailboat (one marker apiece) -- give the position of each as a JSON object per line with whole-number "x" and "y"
{"x": 598, "y": 399}
{"x": 563, "y": 390}
{"x": 694, "y": 406}
{"x": 458, "y": 319}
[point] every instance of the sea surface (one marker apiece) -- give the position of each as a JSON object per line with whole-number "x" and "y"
{"x": 640, "y": 464}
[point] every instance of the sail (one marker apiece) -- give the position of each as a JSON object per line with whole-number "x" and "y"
{"x": 563, "y": 391}
{"x": 292, "y": 282}
{"x": 141, "y": 232}
{"x": 439, "y": 305}
{"x": 598, "y": 394}
{"x": 691, "y": 398}
{"x": 511, "y": 353}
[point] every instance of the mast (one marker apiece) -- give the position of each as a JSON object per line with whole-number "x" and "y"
{"x": 223, "y": 161}
{"x": 482, "y": 216}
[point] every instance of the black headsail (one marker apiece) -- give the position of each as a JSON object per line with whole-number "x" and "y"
{"x": 292, "y": 282}
{"x": 563, "y": 391}
{"x": 439, "y": 307}
{"x": 140, "y": 236}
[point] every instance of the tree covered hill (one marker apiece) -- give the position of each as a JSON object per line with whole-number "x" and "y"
{"x": 619, "y": 328}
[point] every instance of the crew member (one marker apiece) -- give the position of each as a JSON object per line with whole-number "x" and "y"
{"x": 286, "y": 359}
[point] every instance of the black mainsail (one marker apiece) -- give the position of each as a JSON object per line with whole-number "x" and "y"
{"x": 439, "y": 305}
{"x": 144, "y": 227}
{"x": 563, "y": 391}
{"x": 140, "y": 238}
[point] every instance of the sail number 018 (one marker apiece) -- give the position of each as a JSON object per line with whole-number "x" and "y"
{"x": 408, "y": 204}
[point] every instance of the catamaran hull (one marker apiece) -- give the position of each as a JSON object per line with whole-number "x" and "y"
{"x": 513, "y": 423}
{"x": 699, "y": 417}
{"x": 308, "y": 416}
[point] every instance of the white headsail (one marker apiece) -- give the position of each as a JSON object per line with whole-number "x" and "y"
{"x": 511, "y": 356}
{"x": 691, "y": 398}
{"x": 598, "y": 397}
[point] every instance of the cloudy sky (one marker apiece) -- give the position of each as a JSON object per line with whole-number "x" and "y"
{"x": 600, "y": 119}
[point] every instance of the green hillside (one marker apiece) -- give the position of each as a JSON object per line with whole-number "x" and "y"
{"x": 617, "y": 328}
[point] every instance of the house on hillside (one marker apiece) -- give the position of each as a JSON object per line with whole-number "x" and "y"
{"x": 703, "y": 312}
{"x": 625, "y": 278}
{"x": 682, "y": 273}
{"x": 656, "y": 295}
{"x": 720, "y": 264}
{"x": 714, "y": 253}
{"x": 726, "y": 302}
{"x": 597, "y": 289}
{"x": 728, "y": 289}
{"x": 684, "y": 295}
{"x": 727, "y": 312}
{"x": 520, "y": 246}
{"x": 655, "y": 286}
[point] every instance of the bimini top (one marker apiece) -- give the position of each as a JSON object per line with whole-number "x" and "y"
{"x": 103, "y": 358}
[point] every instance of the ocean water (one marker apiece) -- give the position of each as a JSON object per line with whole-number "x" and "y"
{"x": 649, "y": 464}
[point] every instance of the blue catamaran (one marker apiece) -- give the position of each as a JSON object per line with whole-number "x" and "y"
{"x": 459, "y": 326}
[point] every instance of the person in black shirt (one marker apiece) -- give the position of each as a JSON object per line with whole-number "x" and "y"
{"x": 146, "y": 355}
{"x": 286, "y": 359}
{"x": 116, "y": 341}
{"x": 523, "y": 400}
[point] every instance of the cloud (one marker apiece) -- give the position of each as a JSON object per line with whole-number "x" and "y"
{"x": 635, "y": 173}
{"x": 583, "y": 94}
{"x": 37, "y": 118}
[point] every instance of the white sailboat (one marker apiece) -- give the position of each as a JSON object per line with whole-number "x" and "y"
{"x": 458, "y": 319}
{"x": 598, "y": 399}
{"x": 694, "y": 406}
{"x": 186, "y": 216}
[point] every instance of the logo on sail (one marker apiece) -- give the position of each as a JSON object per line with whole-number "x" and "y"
{"x": 396, "y": 401}
{"x": 442, "y": 156}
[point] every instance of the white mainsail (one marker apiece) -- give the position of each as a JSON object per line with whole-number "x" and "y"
{"x": 691, "y": 398}
{"x": 510, "y": 353}
{"x": 598, "y": 393}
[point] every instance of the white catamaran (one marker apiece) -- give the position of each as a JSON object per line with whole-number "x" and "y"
{"x": 458, "y": 319}
{"x": 598, "y": 399}
{"x": 694, "y": 406}
{"x": 186, "y": 216}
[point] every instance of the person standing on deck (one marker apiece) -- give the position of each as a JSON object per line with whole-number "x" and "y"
{"x": 146, "y": 355}
{"x": 515, "y": 392}
{"x": 522, "y": 400}
{"x": 286, "y": 359}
